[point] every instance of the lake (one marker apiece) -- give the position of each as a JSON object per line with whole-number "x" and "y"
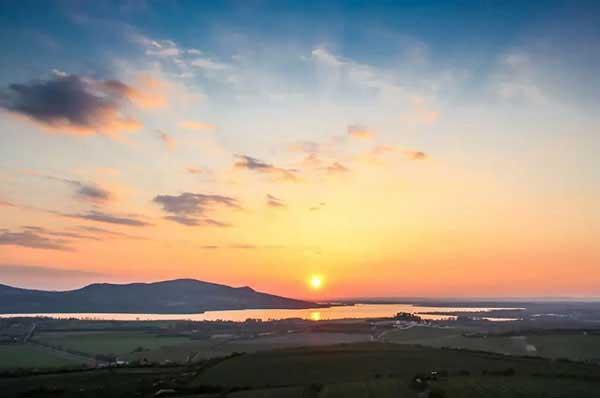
{"x": 316, "y": 314}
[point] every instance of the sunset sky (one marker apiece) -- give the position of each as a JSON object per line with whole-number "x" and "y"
{"x": 410, "y": 148}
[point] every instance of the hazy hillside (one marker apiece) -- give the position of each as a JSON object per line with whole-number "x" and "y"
{"x": 175, "y": 296}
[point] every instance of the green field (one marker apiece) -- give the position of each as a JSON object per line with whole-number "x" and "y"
{"x": 21, "y": 356}
{"x": 575, "y": 346}
{"x": 116, "y": 343}
{"x": 198, "y": 350}
{"x": 344, "y": 363}
{"x": 348, "y": 370}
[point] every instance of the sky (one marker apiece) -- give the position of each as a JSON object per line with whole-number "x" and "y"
{"x": 393, "y": 149}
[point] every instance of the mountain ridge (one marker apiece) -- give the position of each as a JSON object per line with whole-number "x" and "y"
{"x": 176, "y": 296}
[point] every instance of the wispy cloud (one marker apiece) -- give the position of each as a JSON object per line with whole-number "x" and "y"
{"x": 63, "y": 234}
{"x": 33, "y": 240}
{"x": 249, "y": 163}
{"x": 337, "y": 168}
{"x": 104, "y": 217}
{"x": 273, "y": 201}
{"x": 86, "y": 191}
{"x": 4, "y": 203}
{"x": 208, "y": 64}
{"x": 160, "y": 48}
{"x": 195, "y": 170}
{"x": 382, "y": 150}
{"x": 101, "y": 233}
{"x": 168, "y": 141}
{"x": 242, "y": 246}
{"x": 309, "y": 147}
{"x": 361, "y": 132}
{"x": 191, "y": 208}
{"x": 415, "y": 155}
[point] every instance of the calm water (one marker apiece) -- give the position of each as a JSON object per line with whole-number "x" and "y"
{"x": 343, "y": 312}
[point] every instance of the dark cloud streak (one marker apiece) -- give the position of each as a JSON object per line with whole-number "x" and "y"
{"x": 253, "y": 164}
{"x": 190, "y": 208}
{"x": 33, "y": 240}
{"x": 95, "y": 215}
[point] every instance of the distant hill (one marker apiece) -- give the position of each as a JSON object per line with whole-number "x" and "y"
{"x": 178, "y": 296}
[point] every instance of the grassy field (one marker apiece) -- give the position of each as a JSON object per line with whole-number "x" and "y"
{"x": 116, "y": 343}
{"x": 204, "y": 349}
{"x": 349, "y": 371}
{"x": 343, "y": 363}
{"x": 96, "y": 383}
{"x": 16, "y": 356}
{"x": 516, "y": 387}
{"x": 574, "y": 346}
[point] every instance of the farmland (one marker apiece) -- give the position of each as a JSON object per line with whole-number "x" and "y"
{"x": 44, "y": 357}
{"x": 107, "y": 342}
{"x": 574, "y": 345}
{"x": 31, "y": 356}
{"x": 346, "y": 370}
{"x": 340, "y": 363}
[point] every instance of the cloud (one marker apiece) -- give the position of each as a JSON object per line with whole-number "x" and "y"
{"x": 358, "y": 131}
{"x": 317, "y": 207}
{"x": 95, "y": 215}
{"x": 86, "y": 191}
{"x": 242, "y": 246}
{"x": 312, "y": 160}
{"x": 415, "y": 155}
{"x": 169, "y": 142}
{"x": 194, "y": 222}
{"x": 194, "y": 170}
{"x": 324, "y": 56}
{"x": 157, "y": 48}
{"x": 184, "y": 220}
{"x": 382, "y": 150}
{"x": 64, "y": 234}
{"x": 196, "y": 125}
{"x": 105, "y": 232}
{"x": 309, "y": 147}
{"x": 72, "y": 104}
{"x": 33, "y": 240}
{"x": 337, "y": 168}
{"x": 273, "y": 201}
{"x": 190, "y": 208}
{"x": 150, "y": 96}
{"x": 6, "y": 204}
{"x": 518, "y": 78}
{"x": 253, "y": 164}
{"x": 208, "y": 64}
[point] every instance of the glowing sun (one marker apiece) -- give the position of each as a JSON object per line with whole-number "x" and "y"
{"x": 315, "y": 282}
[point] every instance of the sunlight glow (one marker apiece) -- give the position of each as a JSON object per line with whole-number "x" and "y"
{"x": 316, "y": 282}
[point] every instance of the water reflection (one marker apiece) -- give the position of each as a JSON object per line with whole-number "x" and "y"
{"x": 341, "y": 312}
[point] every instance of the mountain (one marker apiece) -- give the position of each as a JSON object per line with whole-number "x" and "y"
{"x": 180, "y": 296}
